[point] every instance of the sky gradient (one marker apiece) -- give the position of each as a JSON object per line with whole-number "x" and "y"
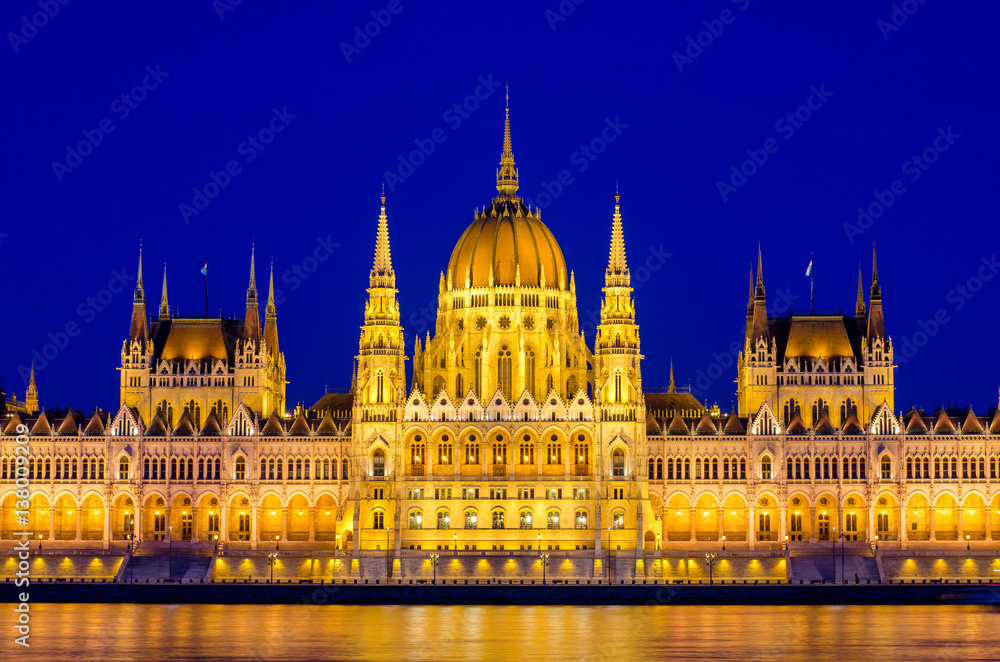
{"x": 824, "y": 106}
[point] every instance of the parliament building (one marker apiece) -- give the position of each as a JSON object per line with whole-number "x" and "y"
{"x": 515, "y": 432}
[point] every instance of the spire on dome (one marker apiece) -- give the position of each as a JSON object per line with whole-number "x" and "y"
{"x": 507, "y": 172}
{"x": 859, "y": 307}
{"x": 382, "y": 268}
{"x": 164, "y": 305}
{"x": 617, "y": 273}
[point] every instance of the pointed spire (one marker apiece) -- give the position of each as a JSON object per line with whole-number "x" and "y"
{"x": 671, "y": 388}
{"x": 876, "y": 321}
{"x": 252, "y": 289}
{"x": 507, "y": 172}
{"x": 383, "y": 256}
{"x": 617, "y": 273}
{"x": 31, "y": 397}
{"x": 859, "y": 307}
{"x": 164, "y": 304}
{"x": 760, "y": 275}
{"x": 140, "y": 293}
{"x": 272, "y": 311}
{"x": 750, "y": 296}
{"x": 876, "y": 290}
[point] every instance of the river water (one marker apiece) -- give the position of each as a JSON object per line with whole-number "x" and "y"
{"x": 80, "y": 632}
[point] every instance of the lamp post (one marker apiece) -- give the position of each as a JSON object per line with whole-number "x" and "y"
{"x": 434, "y": 564}
{"x": 843, "y": 552}
{"x": 876, "y": 543}
{"x": 539, "y": 543}
{"x": 277, "y": 542}
{"x": 967, "y": 547}
{"x": 786, "y": 543}
{"x": 336, "y": 549}
{"x": 834, "y": 539}
{"x": 131, "y": 565}
{"x": 710, "y": 560}
{"x": 723, "y": 543}
{"x": 271, "y": 558}
{"x": 456, "y": 544}
{"x": 658, "y": 549}
{"x": 609, "y": 554}
{"x": 170, "y": 553}
{"x": 545, "y": 561}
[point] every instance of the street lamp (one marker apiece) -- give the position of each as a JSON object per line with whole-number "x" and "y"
{"x": 657, "y": 544}
{"x": 876, "y": 543}
{"x": 545, "y": 561}
{"x": 834, "y": 539}
{"x": 170, "y": 553}
{"x": 786, "y": 543}
{"x": 434, "y": 563}
{"x": 456, "y": 544}
{"x": 723, "y": 543}
{"x": 271, "y": 558}
{"x": 539, "y": 542}
{"x": 277, "y": 542}
{"x": 336, "y": 549}
{"x": 967, "y": 547}
{"x": 710, "y": 560}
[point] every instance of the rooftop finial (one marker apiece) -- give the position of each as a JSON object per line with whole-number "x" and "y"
{"x": 383, "y": 257}
{"x": 617, "y": 264}
{"x": 507, "y": 173}
{"x": 271, "y": 310}
{"x": 164, "y": 304}
{"x": 760, "y": 273}
{"x": 252, "y": 289}
{"x": 671, "y": 388}
{"x": 140, "y": 294}
{"x": 859, "y": 307}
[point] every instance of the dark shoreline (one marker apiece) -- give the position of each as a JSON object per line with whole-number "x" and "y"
{"x": 507, "y": 594}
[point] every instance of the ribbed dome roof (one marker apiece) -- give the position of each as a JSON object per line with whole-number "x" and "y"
{"x": 503, "y": 237}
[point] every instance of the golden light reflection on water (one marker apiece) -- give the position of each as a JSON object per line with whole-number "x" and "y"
{"x": 77, "y": 633}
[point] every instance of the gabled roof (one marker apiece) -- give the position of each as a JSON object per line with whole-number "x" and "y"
{"x": 678, "y": 426}
{"x": 299, "y": 426}
{"x": 327, "y": 426}
{"x": 211, "y": 427}
{"x": 706, "y": 425}
{"x": 96, "y": 426}
{"x": 70, "y": 424}
{"x": 185, "y": 428}
{"x": 11, "y": 428}
{"x": 157, "y": 427}
{"x": 652, "y": 427}
{"x": 42, "y": 425}
{"x": 916, "y": 423}
{"x": 943, "y": 424}
{"x": 273, "y": 426}
{"x": 824, "y": 425}
{"x": 733, "y": 424}
{"x": 852, "y": 425}
{"x": 995, "y": 425}
{"x": 972, "y": 424}
{"x": 797, "y": 425}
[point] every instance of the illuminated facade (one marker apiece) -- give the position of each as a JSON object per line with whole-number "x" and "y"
{"x": 514, "y": 434}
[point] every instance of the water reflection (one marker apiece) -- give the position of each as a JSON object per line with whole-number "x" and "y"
{"x": 76, "y": 633}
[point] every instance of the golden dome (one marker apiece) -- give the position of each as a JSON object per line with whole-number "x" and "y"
{"x": 504, "y": 237}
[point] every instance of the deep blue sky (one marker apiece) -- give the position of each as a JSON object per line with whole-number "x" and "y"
{"x": 61, "y": 241}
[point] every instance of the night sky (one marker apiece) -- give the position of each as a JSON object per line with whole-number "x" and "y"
{"x": 667, "y": 99}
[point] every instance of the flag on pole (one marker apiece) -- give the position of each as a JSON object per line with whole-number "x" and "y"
{"x": 809, "y": 269}
{"x": 204, "y": 269}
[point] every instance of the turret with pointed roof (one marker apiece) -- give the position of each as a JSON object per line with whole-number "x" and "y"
{"x": 859, "y": 306}
{"x": 760, "y": 326}
{"x": 251, "y": 323}
{"x": 164, "y": 304}
{"x": 271, "y": 319}
{"x": 31, "y": 398}
{"x": 138, "y": 330}
{"x": 507, "y": 172}
{"x": 876, "y": 323}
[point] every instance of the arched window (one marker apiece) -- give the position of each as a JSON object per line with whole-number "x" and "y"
{"x": 378, "y": 519}
{"x": 765, "y": 468}
{"x": 497, "y": 519}
{"x": 416, "y": 519}
{"x": 848, "y": 407}
{"x": 443, "y": 519}
{"x": 194, "y": 411}
{"x": 886, "y": 468}
{"x": 581, "y": 450}
{"x": 581, "y": 519}
{"x": 345, "y": 466}
{"x": 791, "y": 406}
{"x": 241, "y": 468}
{"x": 417, "y": 453}
{"x": 525, "y": 519}
{"x": 504, "y": 371}
{"x": 218, "y": 468}
{"x": 819, "y": 407}
{"x": 652, "y": 468}
{"x": 122, "y": 468}
{"x": 444, "y": 451}
{"x": 458, "y": 386}
{"x": 670, "y": 468}
{"x": 659, "y": 468}
{"x": 570, "y": 386}
{"x": 861, "y": 464}
{"x": 500, "y": 453}
{"x": 548, "y": 384}
{"x": 263, "y": 469}
{"x": 617, "y": 462}
{"x": 617, "y": 393}
{"x": 477, "y": 377}
{"x": 471, "y": 520}
{"x": 378, "y": 462}
{"x": 380, "y": 386}
{"x": 618, "y": 520}
{"x": 552, "y": 519}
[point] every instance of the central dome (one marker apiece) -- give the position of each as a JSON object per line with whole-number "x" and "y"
{"x": 505, "y": 237}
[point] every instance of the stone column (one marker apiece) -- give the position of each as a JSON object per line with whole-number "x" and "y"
{"x": 284, "y": 524}
{"x": 694, "y": 523}
{"x": 254, "y": 526}
{"x": 814, "y": 531}
{"x": 722, "y": 518}
{"x": 312, "y": 524}
{"x": 79, "y": 524}
{"x": 870, "y": 532}
{"x": 52, "y": 523}
{"x": 107, "y": 528}
{"x": 170, "y": 524}
{"x": 902, "y": 528}
{"x": 194, "y": 523}
{"x": 989, "y": 523}
{"x": 224, "y": 524}
{"x": 783, "y": 526}
{"x": 751, "y": 528}
{"x": 930, "y": 511}
{"x": 959, "y": 515}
